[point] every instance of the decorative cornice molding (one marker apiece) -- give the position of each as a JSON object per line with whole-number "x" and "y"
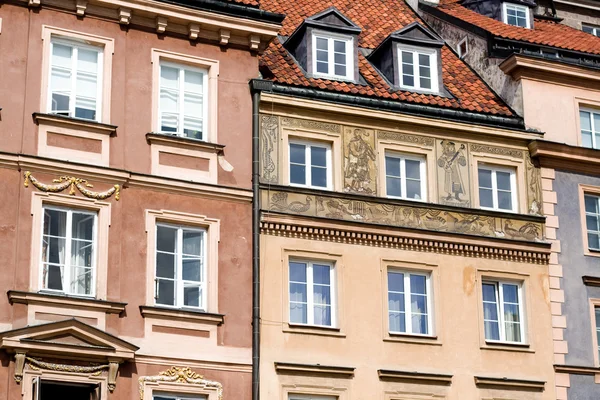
{"x": 74, "y": 123}
{"x": 565, "y": 157}
{"x": 591, "y": 280}
{"x": 509, "y": 383}
{"x": 181, "y": 315}
{"x": 314, "y": 369}
{"x": 398, "y": 240}
{"x": 538, "y": 69}
{"x": 184, "y": 142}
{"x": 180, "y": 375}
{"x": 576, "y": 369}
{"x": 68, "y": 182}
{"x": 414, "y": 376}
{"x": 109, "y": 307}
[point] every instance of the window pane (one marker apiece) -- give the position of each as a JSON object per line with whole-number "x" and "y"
{"x": 191, "y": 269}
{"x": 485, "y": 178}
{"x": 593, "y": 241}
{"x": 321, "y": 274}
{"x": 191, "y": 296}
{"x": 585, "y": 120}
{"x": 395, "y": 282}
{"x": 166, "y": 292}
{"x": 408, "y": 80}
{"x": 486, "y": 198}
{"x": 192, "y": 242}
{"x": 298, "y": 313}
{"x": 511, "y": 313}
{"x": 322, "y": 43}
{"x": 318, "y": 156}
{"x": 61, "y": 55}
{"x": 407, "y": 58}
{"x": 503, "y": 180}
{"x": 297, "y": 153}
{"x": 492, "y": 331}
{"x": 322, "y": 56}
{"x": 298, "y": 174}
{"x": 591, "y": 204}
{"x": 489, "y": 292}
{"x": 82, "y": 281}
{"x": 396, "y": 302}
{"x": 510, "y": 293}
{"x": 424, "y": 60}
{"x": 591, "y": 222}
{"x": 490, "y": 311}
{"x": 413, "y": 169}
{"x": 586, "y": 139}
{"x": 297, "y": 272}
{"x": 322, "y": 315}
{"x": 397, "y": 323}
{"x": 298, "y": 292}
{"x": 81, "y": 253}
{"x": 418, "y": 304}
{"x": 339, "y": 46}
{"x": 166, "y": 238}
{"x": 418, "y": 284}
{"x": 55, "y": 223}
{"x": 54, "y": 277}
{"x": 505, "y": 200}
{"x": 392, "y": 166}
{"x": 193, "y": 81}
{"x": 419, "y": 324}
{"x": 425, "y": 83}
{"x": 54, "y": 250}
{"x": 413, "y": 190}
{"x": 322, "y": 294}
{"x": 83, "y": 226}
{"x": 513, "y": 332}
{"x": 318, "y": 177}
{"x": 169, "y": 77}
{"x": 339, "y": 58}
{"x": 340, "y": 70}
{"x": 165, "y": 265}
{"x": 393, "y": 187}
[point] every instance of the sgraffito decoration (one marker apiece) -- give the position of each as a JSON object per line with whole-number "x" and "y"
{"x": 71, "y": 183}
{"x": 404, "y": 216}
{"x": 359, "y": 161}
{"x": 269, "y": 152}
{"x": 180, "y": 375}
{"x": 534, "y": 188}
{"x": 453, "y": 174}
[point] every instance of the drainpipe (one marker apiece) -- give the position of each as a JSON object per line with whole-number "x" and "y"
{"x": 256, "y": 87}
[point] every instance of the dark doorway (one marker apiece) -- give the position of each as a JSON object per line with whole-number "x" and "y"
{"x": 50, "y": 390}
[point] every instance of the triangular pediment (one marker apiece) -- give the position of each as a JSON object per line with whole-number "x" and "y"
{"x": 418, "y": 33}
{"x": 333, "y": 17}
{"x": 67, "y": 338}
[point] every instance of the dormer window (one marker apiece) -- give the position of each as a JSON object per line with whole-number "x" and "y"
{"x": 418, "y": 68}
{"x": 333, "y": 56}
{"x": 515, "y": 14}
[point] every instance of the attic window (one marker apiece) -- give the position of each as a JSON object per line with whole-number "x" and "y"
{"x": 333, "y": 56}
{"x": 418, "y": 68}
{"x": 517, "y": 15}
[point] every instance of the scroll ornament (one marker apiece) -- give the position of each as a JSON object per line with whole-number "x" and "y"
{"x": 71, "y": 183}
{"x": 180, "y": 375}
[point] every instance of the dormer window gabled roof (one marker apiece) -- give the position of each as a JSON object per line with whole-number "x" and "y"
{"x": 325, "y": 46}
{"x": 410, "y": 59}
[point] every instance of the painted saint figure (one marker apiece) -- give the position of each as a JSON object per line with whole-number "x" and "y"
{"x": 450, "y": 160}
{"x": 357, "y": 167}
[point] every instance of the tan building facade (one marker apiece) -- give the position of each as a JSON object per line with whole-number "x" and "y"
{"x": 126, "y": 233}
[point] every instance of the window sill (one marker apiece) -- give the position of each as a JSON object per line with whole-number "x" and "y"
{"x": 74, "y": 123}
{"x": 109, "y": 307}
{"x": 409, "y": 338}
{"x": 180, "y": 314}
{"x": 184, "y": 142}
{"x": 313, "y": 330}
{"x": 504, "y": 346}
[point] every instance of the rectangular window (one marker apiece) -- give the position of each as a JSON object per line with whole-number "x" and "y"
{"x": 180, "y": 266}
{"x": 497, "y": 188}
{"x": 75, "y": 79}
{"x": 590, "y": 128}
{"x": 405, "y": 177}
{"x": 503, "y": 312}
{"x": 69, "y": 251}
{"x": 312, "y": 293}
{"x": 516, "y": 15}
{"x": 171, "y": 396}
{"x": 597, "y": 318}
{"x": 333, "y": 56}
{"x": 310, "y": 397}
{"x": 310, "y": 164}
{"x": 594, "y": 30}
{"x": 183, "y": 103}
{"x": 592, "y": 221}
{"x": 418, "y": 68}
{"x": 409, "y": 303}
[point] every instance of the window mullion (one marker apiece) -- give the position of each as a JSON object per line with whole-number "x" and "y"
{"x": 402, "y": 178}
{"x": 407, "y": 305}
{"x": 73, "y": 96}
{"x": 179, "y": 267}
{"x": 416, "y": 70}
{"x": 330, "y": 56}
{"x": 593, "y": 128}
{"x": 180, "y": 108}
{"x": 308, "y": 161}
{"x": 310, "y": 317}
{"x": 494, "y": 189}
{"x": 66, "y": 278}
{"x": 501, "y": 312}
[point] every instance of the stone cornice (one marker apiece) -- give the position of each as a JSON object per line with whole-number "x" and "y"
{"x": 122, "y": 177}
{"x": 591, "y": 280}
{"x": 181, "y": 315}
{"x": 566, "y": 157}
{"x": 510, "y": 383}
{"x": 389, "y": 237}
{"x": 576, "y": 369}
{"x": 183, "y": 142}
{"x": 314, "y": 369}
{"x": 74, "y": 123}
{"x": 414, "y": 376}
{"x": 520, "y": 66}
{"x": 109, "y": 307}
{"x": 234, "y": 24}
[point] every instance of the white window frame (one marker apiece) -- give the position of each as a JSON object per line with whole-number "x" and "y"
{"x": 76, "y": 45}
{"x": 181, "y": 90}
{"x": 310, "y": 318}
{"x": 597, "y": 198}
{"x": 433, "y": 65}
{"x": 292, "y": 396}
{"x": 407, "y": 302}
{"x": 513, "y": 187}
{"x": 520, "y": 7}
{"x": 330, "y": 37}
{"x": 307, "y": 158}
{"x": 178, "y": 396}
{"x": 500, "y": 310}
{"x": 595, "y": 30}
{"x": 68, "y": 241}
{"x": 594, "y": 129}
{"x": 179, "y": 282}
{"x": 422, "y": 174}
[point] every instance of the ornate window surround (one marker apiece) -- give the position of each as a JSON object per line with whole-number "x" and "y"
{"x": 38, "y": 200}
{"x": 62, "y": 376}
{"x": 212, "y": 227}
{"x": 179, "y": 380}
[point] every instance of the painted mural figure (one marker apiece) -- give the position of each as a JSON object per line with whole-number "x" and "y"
{"x": 450, "y": 160}
{"x": 360, "y": 154}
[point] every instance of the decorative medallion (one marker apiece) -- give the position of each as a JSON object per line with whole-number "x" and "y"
{"x": 71, "y": 183}
{"x": 180, "y": 375}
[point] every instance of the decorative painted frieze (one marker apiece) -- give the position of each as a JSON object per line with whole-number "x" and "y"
{"x": 269, "y": 158}
{"x": 404, "y": 137}
{"x": 310, "y": 125}
{"x": 359, "y": 161}
{"x": 453, "y": 173}
{"x": 426, "y": 217}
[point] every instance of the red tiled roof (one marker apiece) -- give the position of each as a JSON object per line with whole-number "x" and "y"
{"x": 377, "y": 19}
{"x": 547, "y": 33}
{"x": 245, "y": 2}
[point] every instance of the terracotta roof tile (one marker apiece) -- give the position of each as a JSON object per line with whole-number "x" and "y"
{"x": 544, "y": 32}
{"x": 377, "y": 19}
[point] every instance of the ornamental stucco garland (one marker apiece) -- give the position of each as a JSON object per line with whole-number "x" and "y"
{"x": 71, "y": 183}
{"x": 180, "y": 375}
